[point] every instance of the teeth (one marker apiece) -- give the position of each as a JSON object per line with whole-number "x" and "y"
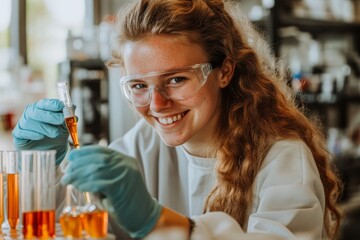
{"x": 170, "y": 120}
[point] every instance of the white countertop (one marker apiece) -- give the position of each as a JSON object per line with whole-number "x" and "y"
{"x": 8, "y": 234}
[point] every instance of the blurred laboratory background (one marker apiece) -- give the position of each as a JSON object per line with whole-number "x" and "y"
{"x": 46, "y": 41}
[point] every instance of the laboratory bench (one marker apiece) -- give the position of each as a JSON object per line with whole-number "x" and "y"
{"x": 6, "y": 233}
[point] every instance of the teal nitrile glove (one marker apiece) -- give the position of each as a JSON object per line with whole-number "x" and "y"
{"x": 42, "y": 127}
{"x": 117, "y": 176}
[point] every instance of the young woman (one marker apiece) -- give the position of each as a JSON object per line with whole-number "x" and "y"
{"x": 222, "y": 150}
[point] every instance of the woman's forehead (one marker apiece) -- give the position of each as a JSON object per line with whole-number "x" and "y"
{"x": 156, "y": 53}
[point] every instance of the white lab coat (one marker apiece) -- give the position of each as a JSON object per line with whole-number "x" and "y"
{"x": 288, "y": 201}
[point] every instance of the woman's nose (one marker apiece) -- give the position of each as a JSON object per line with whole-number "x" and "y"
{"x": 159, "y": 100}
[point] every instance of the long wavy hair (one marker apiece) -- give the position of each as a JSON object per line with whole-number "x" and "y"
{"x": 257, "y": 97}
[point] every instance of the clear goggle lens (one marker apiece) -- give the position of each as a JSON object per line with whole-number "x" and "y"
{"x": 176, "y": 84}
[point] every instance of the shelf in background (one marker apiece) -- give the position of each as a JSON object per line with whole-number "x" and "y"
{"x": 318, "y": 25}
{"x": 327, "y": 99}
{"x": 352, "y": 204}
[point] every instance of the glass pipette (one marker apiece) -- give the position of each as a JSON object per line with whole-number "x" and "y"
{"x": 70, "y": 119}
{"x": 69, "y": 112}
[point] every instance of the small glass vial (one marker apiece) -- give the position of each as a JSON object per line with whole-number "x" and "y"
{"x": 95, "y": 217}
{"x": 71, "y": 216}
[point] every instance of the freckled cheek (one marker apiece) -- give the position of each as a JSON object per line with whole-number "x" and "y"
{"x": 142, "y": 111}
{"x": 208, "y": 102}
{"x": 202, "y": 103}
{"x": 207, "y": 97}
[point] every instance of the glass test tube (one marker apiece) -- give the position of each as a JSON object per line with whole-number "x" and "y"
{"x": 11, "y": 158}
{"x": 69, "y": 112}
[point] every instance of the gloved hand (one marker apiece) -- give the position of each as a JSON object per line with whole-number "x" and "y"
{"x": 117, "y": 176}
{"x": 42, "y": 127}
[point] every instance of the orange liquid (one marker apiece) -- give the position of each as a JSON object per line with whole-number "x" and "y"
{"x": 1, "y": 199}
{"x": 71, "y": 225}
{"x": 72, "y": 127}
{"x": 13, "y": 199}
{"x": 39, "y": 224}
{"x": 96, "y": 223}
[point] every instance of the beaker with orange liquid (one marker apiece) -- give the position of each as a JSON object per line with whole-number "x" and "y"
{"x": 38, "y": 194}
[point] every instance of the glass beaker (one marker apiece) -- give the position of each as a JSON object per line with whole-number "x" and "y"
{"x": 38, "y": 193}
{"x": 11, "y": 160}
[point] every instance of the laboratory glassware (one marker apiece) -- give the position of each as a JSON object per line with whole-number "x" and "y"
{"x": 94, "y": 217}
{"x": 71, "y": 217}
{"x": 38, "y": 193}
{"x": 12, "y": 179}
{"x": 69, "y": 112}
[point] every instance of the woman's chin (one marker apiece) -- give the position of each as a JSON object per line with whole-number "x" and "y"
{"x": 172, "y": 141}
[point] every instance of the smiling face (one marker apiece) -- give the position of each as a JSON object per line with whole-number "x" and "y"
{"x": 191, "y": 121}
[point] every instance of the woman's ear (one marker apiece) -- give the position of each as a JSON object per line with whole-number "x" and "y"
{"x": 226, "y": 72}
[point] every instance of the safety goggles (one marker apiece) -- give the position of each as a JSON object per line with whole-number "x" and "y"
{"x": 175, "y": 84}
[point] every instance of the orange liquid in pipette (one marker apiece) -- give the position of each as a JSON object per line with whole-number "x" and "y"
{"x": 39, "y": 224}
{"x": 72, "y": 127}
{"x": 13, "y": 199}
{"x": 1, "y": 198}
